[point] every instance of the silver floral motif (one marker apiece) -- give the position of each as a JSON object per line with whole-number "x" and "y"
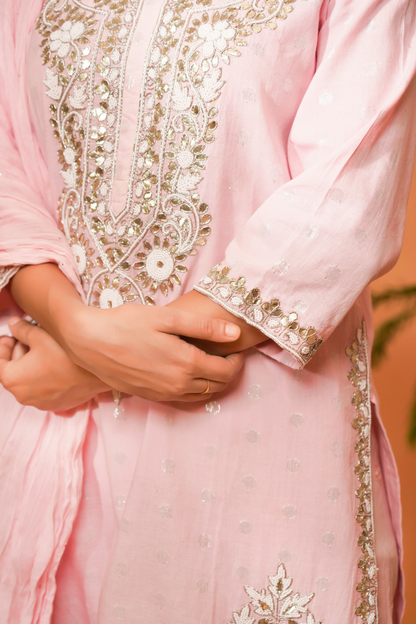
{"x": 275, "y": 605}
{"x": 359, "y": 376}
{"x": 143, "y": 249}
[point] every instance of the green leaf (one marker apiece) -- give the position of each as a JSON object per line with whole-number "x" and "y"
{"x": 394, "y": 294}
{"x": 386, "y": 332}
{"x": 412, "y": 424}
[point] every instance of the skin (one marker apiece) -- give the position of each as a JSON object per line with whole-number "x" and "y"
{"x": 158, "y": 353}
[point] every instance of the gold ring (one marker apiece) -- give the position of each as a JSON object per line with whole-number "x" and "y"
{"x": 206, "y": 389}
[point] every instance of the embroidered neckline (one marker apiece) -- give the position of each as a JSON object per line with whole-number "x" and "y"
{"x": 144, "y": 249}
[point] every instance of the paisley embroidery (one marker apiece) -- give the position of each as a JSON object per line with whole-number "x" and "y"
{"x": 268, "y": 317}
{"x": 144, "y": 248}
{"x": 276, "y": 605}
{"x": 359, "y": 377}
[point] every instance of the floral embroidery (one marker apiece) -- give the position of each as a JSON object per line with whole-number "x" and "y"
{"x": 359, "y": 377}
{"x": 277, "y": 604}
{"x": 164, "y": 220}
{"x": 268, "y": 317}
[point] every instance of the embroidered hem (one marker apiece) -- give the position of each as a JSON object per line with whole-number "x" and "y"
{"x": 359, "y": 376}
{"x": 268, "y": 317}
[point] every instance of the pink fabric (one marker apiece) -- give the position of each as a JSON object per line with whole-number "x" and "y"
{"x": 170, "y": 511}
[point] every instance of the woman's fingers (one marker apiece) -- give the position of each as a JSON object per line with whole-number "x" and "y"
{"x": 217, "y": 368}
{"x": 195, "y": 326}
{"x": 23, "y": 331}
{"x": 19, "y": 351}
{"x": 6, "y": 351}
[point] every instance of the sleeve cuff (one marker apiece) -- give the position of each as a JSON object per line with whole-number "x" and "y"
{"x": 267, "y": 316}
{"x": 6, "y": 274}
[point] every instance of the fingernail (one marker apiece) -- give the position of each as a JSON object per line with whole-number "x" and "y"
{"x": 13, "y": 320}
{"x": 232, "y": 331}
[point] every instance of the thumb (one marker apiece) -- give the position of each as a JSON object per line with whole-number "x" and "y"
{"x": 205, "y": 327}
{"x": 22, "y": 330}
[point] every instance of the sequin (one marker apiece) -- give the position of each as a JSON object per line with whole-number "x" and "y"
{"x": 168, "y": 466}
{"x": 255, "y": 391}
{"x": 268, "y": 317}
{"x": 120, "y": 501}
{"x": 249, "y": 482}
{"x": 289, "y": 511}
{"x": 242, "y": 572}
{"x": 359, "y": 376}
{"x": 328, "y": 539}
{"x": 336, "y": 448}
{"x": 165, "y": 511}
{"x": 296, "y": 420}
{"x": 325, "y": 98}
{"x": 333, "y": 494}
{"x": 322, "y": 583}
{"x": 285, "y": 556}
{"x": 207, "y": 496}
{"x": 162, "y": 557}
{"x": 293, "y": 465}
{"x": 277, "y": 604}
{"x": 245, "y": 527}
{"x": 204, "y": 540}
{"x": 213, "y": 407}
{"x": 252, "y": 436}
{"x": 178, "y": 94}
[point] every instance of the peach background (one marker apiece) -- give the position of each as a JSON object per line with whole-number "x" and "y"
{"x": 395, "y": 380}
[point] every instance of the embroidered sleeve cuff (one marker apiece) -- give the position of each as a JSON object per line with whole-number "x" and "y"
{"x": 6, "y": 274}
{"x": 267, "y": 316}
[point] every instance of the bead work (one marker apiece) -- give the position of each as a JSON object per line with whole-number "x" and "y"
{"x": 268, "y": 317}
{"x": 359, "y": 377}
{"x": 276, "y": 604}
{"x": 164, "y": 221}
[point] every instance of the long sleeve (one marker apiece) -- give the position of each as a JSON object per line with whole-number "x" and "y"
{"x": 29, "y": 232}
{"x": 300, "y": 262}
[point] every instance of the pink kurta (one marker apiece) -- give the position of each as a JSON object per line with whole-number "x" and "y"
{"x": 260, "y": 152}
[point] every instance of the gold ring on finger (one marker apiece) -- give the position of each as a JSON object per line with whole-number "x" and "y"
{"x": 206, "y": 389}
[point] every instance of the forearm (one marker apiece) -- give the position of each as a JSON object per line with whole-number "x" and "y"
{"x": 46, "y": 295}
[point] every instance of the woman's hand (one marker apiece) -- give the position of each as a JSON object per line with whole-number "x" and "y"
{"x": 137, "y": 349}
{"x": 200, "y": 304}
{"x": 134, "y": 348}
{"x": 42, "y": 375}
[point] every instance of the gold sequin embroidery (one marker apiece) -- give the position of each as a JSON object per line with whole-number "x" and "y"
{"x": 359, "y": 377}
{"x": 275, "y": 605}
{"x": 144, "y": 249}
{"x": 267, "y": 316}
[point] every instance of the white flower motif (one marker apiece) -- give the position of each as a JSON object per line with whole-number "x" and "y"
{"x": 280, "y": 583}
{"x": 62, "y": 38}
{"x": 69, "y": 155}
{"x": 311, "y": 620}
{"x": 181, "y": 100}
{"x": 243, "y": 616}
{"x": 185, "y": 158}
{"x": 295, "y": 605}
{"x": 78, "y": 97}
{"x": 262, "y": 601}
{"x": 211, "y": 84}
{"x": 69, "y": 176}
{"x": 215, "y": 37}
{"x": 54, "y": 88}
{"x": 187, "y": 182}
